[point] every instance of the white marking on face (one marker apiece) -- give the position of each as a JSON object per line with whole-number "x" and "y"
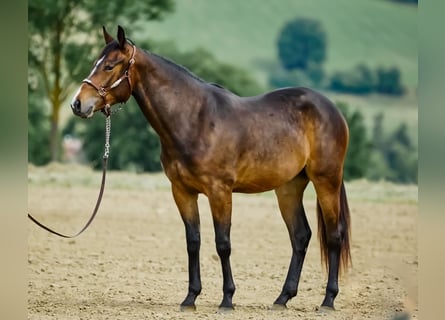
{"x": 95, "y": 67}
{"x": 75, "y": 96}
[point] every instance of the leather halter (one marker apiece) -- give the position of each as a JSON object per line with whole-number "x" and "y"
{"x": 103, "y": 91}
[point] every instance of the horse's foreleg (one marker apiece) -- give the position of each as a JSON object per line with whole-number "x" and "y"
{"x": 188, "y": 208}
{"x": 290, "y": 200}
{"x": 221, "y": 207}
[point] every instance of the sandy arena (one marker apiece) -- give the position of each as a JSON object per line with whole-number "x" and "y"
{"x": 132, "y": 262}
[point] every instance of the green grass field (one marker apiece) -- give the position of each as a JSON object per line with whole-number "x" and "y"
{"x": 244, "y": 33}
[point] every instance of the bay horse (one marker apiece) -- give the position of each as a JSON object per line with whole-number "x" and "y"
{"x": 215, "y": 143}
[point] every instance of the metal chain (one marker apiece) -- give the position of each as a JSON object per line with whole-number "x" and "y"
{"x": 108, "y": 129}
{"x": 107, "y": 136}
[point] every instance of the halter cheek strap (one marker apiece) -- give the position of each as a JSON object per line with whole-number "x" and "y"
{"x": 103, "y": 91}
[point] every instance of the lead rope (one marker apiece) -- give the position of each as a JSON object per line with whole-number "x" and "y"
{"x": 104, "y": 171}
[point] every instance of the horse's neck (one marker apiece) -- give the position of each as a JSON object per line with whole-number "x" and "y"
{"x": 169, "y": 98}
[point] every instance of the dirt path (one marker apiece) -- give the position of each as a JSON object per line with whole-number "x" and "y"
{"x": 131, "y": 263}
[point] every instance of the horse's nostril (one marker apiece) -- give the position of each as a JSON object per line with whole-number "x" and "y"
{"x": 76, "y": 105}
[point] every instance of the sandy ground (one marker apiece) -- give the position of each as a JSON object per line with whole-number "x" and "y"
{"x": 132, "y": 262}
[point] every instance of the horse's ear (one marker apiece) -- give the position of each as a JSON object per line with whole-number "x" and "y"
{"x": 107, "y": 36}
{"x": 121, "y": 36}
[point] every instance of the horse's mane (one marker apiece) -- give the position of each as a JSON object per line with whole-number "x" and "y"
{"x": 184, "y": 70}
{"x": 178, "y": 67}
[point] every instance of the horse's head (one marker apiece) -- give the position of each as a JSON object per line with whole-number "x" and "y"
{"x": 109, "y": 82}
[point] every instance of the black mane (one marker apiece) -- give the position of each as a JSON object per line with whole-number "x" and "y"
{"x": 178, "y": 67}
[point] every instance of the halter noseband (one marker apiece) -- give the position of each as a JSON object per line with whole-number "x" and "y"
{"x": 103, "y": 91}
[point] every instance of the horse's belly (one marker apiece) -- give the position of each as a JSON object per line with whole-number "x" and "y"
{"x": 265, "y": 178}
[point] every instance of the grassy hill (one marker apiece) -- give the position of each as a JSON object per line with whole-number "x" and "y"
{"x": 244, "y": 33}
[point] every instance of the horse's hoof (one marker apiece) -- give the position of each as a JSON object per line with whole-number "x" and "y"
{"x": 225, "y": 309}
{"x": 278, "y": 307}
{"x": 187, "y": 308}
{"x": 325, "y": 309}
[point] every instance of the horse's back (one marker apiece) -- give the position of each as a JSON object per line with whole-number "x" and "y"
{"x": 311, "y": 104}
{"x": 301, "y": 99}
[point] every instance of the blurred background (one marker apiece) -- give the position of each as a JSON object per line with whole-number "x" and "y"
{"x": 361, "y": 54}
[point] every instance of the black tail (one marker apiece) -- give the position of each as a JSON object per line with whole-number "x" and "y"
{"x": 345, "y": 233}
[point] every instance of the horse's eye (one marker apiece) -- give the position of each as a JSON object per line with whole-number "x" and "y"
{"x": 108, "y": 68}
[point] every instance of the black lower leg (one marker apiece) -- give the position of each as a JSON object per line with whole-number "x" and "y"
{"x": 223, "y": 247}
{"x": 300, "y": 235}
{"x": 334, "y": 246}
{"x": 193, "y": 245}
{"x": 290, "y": 286}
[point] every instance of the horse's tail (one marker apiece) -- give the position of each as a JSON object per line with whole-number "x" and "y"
{"x": 345, "y": 232}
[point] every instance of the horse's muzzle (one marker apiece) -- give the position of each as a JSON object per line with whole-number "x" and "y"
{"x": 76, "y": 107}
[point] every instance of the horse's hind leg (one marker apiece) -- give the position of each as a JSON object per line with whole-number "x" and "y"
{"x": 188, "y": 208}
{"x": 290, "y": 200}
{"x": 333, "y": 216}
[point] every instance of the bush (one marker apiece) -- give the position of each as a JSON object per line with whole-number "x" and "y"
{"x": 363, "y": 80}
{"x": 391, "y": 157}
{"x": 389, "y": 81}
{"x": 357, "y": 157}
{"x": 401, "y": 156}
{"x": 280, "y": 78}
{"x": 301, "y": 42}
{"x": 359, "y": 80}
{"x": 394, "y": 157}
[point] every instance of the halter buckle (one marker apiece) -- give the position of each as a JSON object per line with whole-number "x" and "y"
{"x": 102, "y": 92}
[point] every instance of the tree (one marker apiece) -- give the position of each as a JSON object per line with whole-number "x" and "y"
{"x": 38, "y": 130}
{"x": 302, "y": 44}
{"x": 394, "y": 156}
{"x": 360, "y": 80}
{"x": 61, "y": 42}
{"x": 389, "y": 81}
{"x": 401, "y": 156}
